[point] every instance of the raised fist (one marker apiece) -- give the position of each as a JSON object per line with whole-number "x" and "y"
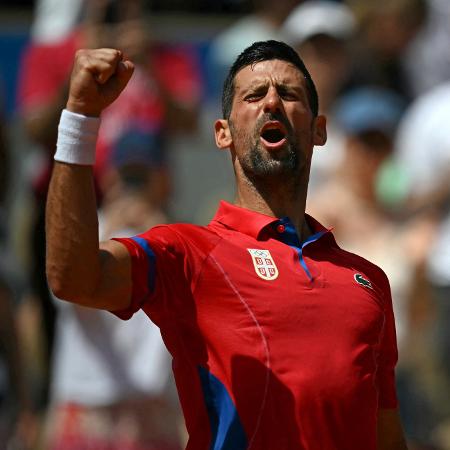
{"x": 98, "y": 77}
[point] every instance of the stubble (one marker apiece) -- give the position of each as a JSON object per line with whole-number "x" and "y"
{"x": 258, "y": 163}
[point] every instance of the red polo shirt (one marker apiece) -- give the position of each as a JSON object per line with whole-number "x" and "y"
{"x": 276, "y": 343}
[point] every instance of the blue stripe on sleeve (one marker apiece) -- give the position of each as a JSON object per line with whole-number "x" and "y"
{"x": 151, "y": 260}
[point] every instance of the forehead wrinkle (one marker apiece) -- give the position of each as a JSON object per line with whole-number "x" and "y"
{"x": 258, "y": 82}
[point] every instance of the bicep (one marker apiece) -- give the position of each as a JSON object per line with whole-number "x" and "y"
{"x": 115, "y": 285}
{"x": 390, "y": 434}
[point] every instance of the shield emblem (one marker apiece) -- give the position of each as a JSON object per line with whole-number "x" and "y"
{"x": 264, "y": 264}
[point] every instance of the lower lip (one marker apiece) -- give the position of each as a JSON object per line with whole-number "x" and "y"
{"x": 272, "y": 146}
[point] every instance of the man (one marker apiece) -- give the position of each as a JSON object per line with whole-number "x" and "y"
{"x": 280, "y": 339}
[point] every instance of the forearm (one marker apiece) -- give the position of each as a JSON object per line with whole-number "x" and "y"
{"x": 73, "y": 260}
{"x": 78, "y": 269}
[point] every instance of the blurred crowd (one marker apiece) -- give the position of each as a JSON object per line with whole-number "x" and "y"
{"x": 73, "y": 378}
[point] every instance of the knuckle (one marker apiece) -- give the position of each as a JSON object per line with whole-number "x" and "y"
{"x": 113, "y": 54}
{"x": 81, "y": 53}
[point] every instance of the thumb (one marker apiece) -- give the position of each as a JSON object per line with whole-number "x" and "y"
{"x": 124, "y": 71}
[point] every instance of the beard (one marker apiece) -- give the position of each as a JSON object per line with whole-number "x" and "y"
{"x": 258, "y": 162}
{"x": 259, "y": 166}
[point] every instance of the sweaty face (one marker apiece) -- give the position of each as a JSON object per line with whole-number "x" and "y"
{"x": 271, "y": 122}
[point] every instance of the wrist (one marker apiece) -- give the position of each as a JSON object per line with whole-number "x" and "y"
{"x": 77, "y": 138}
{"x": 81, "y": 108}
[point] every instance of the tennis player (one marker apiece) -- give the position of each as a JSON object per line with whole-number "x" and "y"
{"x": 280, "y": 339}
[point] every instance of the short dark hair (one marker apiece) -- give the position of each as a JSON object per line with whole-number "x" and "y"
{"x": 265, "y": 51}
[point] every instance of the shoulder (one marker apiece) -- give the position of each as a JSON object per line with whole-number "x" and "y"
{"x": 364, "y": 270}
{"x": 183, "y": 237}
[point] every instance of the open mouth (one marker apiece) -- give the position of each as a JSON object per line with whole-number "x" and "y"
{"x": 273, "y": 134}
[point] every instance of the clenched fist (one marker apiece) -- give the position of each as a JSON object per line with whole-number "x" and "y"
{"x": 98, "y": 77}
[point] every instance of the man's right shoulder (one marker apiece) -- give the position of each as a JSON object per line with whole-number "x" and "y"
{"x": 186, "y": 235}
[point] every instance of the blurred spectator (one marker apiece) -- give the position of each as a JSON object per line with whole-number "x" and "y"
{"x": 427, "y": 60}
{"x": 386, "y": 29}
{"x": 11, "y": 380}
{"x": 321, "y": 31}
{"x": 164, "y": 92}
{"x": 17, "y": 424}
{"x": 55, "y": 19}
{"x": 423, "y": 152}
{"x": 110, "y": 384}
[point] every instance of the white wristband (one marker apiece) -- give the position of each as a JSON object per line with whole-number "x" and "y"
{"x": 77, "y": 138}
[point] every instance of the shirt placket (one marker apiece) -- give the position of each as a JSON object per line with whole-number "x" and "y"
{"x": 287, "y": 234}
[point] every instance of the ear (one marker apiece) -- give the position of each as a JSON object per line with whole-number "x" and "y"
{"x": 320, "y": 130}
{"x": 223, "y": 134}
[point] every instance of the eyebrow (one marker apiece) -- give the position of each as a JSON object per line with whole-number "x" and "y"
{"x": 258, "y": 84}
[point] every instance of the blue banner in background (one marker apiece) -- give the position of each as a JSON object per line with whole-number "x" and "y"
{"x": 12, "y": 44}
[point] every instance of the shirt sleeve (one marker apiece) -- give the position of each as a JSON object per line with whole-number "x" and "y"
{"x": 388, "y": 355}
{"x": 158, "y": 271}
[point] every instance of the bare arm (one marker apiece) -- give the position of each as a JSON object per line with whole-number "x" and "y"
{"x": 390, "y": 432}
{"x": 79, "y": 269}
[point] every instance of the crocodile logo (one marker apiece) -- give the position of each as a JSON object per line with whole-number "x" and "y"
{"x": 362, "y": 281}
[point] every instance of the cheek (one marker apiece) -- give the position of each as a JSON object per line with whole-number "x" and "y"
{"x": 298, "y": 112}
{"x": 246, "y": 113}
{"x": 246, "y": 123}
{"x": 302, "y": 124}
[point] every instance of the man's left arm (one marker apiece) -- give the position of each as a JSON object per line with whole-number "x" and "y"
{"x": 390, "y": 434}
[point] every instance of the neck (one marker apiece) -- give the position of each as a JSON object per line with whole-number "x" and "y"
{"x": 276, "y": 199}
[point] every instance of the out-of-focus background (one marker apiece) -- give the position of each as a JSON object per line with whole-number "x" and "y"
{"x": 74, "y": 378}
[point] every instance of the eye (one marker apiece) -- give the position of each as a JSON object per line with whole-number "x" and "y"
{"x": 253, "y": 97}
{"x": 288, "y": 95}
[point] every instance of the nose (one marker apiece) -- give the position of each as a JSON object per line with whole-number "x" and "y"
{"x": 272, "y": 101}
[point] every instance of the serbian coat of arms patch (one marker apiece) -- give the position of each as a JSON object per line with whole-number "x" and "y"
{"x": 264, "y": 264}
